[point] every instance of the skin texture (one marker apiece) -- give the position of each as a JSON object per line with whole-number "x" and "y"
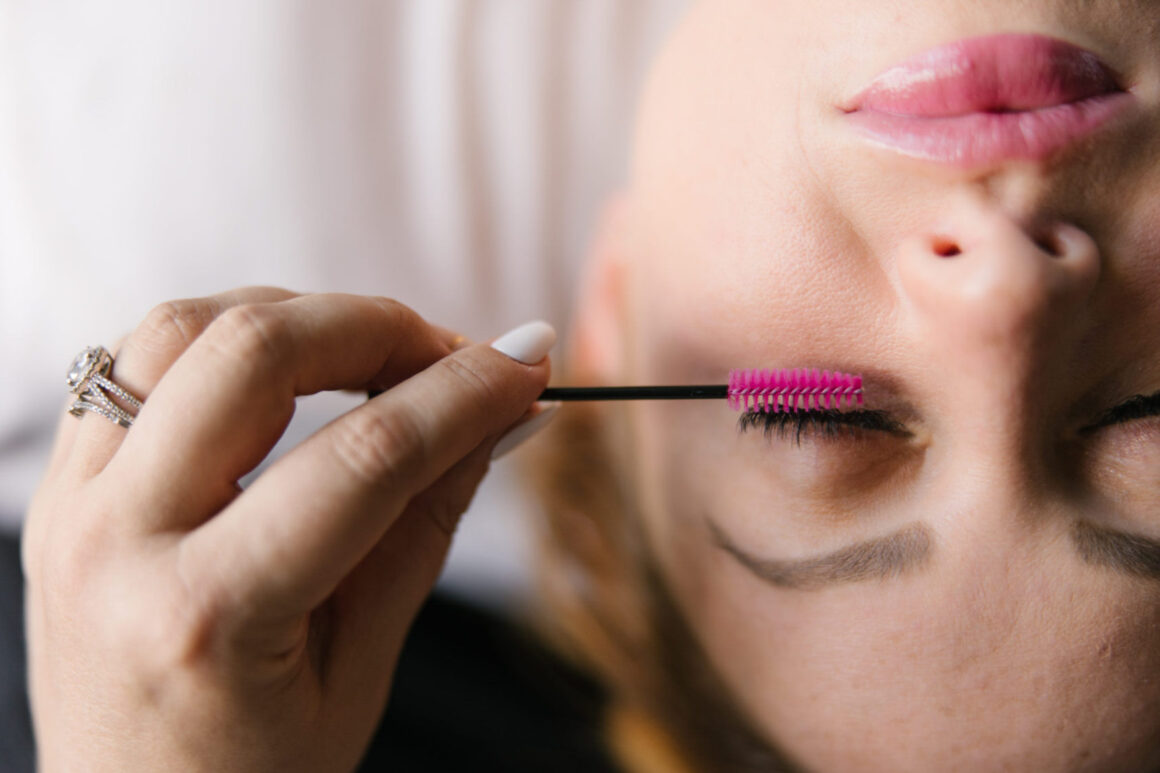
{"x": 758, "y": 230}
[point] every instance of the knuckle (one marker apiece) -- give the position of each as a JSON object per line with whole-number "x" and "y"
{"x": 396, "y": 309}
{"x": 172, "y": 326}
{"x": 380, "y": 449}
{"x": 398, "y": 316}
{"x": 393, "y": 308}
{"x": 251, "y": 331}
{"x": 481, "y": 391}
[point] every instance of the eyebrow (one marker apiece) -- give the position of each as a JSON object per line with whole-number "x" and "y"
{"x": 905, "y": 550}
{"x": 1127, "y": 553}
{"x": 878, "y": 558}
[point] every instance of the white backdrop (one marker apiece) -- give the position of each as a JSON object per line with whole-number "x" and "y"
{"x": 450, "y": 153}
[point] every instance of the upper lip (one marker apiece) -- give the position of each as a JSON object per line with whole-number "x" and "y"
{"x": 998, "y": 73}
{"x": 983, "y": 100}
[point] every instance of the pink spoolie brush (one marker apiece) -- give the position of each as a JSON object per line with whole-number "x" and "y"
{"x": 769, "y": 391}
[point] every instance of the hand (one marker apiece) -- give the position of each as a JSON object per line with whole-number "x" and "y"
{"x": 176, "y": 621}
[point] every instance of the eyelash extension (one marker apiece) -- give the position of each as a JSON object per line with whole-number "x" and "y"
{"x": 828, "y": 424}
{"x": 766, "y": 391}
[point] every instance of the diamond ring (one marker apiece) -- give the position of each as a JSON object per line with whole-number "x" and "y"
{"x": 88, "y": 379}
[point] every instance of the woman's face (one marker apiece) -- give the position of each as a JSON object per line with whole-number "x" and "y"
{"x": 974, "y": 584}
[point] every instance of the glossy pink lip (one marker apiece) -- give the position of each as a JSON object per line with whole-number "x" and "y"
{"x": 981, "y": 101}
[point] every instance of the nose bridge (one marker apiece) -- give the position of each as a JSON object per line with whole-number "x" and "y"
{"x": 995, "y": 307}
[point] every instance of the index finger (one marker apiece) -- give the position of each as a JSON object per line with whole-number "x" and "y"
{"x": 285, "y": 544}
{"x": 221, "y": 407}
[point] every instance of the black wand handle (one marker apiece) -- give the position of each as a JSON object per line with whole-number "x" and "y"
{"x": 574, "y": 394}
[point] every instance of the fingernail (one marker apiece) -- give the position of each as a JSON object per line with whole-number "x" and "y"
{"x": 528, "y": 343}
{"x": 521, "y": 432}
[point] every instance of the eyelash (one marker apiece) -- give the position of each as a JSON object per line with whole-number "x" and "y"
{"x": 1136, "y": 407}
{"x": 826, "y": 425}
{"x": 830, "y": 425}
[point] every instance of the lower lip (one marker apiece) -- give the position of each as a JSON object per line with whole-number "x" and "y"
{"x": 985, "y": 138}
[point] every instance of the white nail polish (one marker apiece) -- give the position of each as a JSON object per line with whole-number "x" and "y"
{"x": 521, "y": 432}
{"x": 528, "y": 343}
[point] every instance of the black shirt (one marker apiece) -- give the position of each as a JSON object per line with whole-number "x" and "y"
{"x": 475, "y": 693}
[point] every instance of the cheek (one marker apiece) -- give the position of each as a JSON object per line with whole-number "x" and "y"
{"x": 929, "y": 675}
{"x": 969, "y": 664}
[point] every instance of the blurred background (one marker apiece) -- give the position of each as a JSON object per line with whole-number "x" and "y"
{"x": 452, "y": 154}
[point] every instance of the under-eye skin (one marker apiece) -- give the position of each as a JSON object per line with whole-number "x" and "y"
{"x": 831, "y": 424}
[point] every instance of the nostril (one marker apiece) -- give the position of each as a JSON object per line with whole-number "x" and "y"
{"x": 946, "y": 248}
{"x": 1049, "y": 242}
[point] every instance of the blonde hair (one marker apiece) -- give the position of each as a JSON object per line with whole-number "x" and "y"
{"x": 606, "y": 609}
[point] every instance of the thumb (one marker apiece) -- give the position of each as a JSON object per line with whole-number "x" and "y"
{"x": 390, "y": 585}
{"x": 410, "y": 556}
{"x": 385, "y": 591}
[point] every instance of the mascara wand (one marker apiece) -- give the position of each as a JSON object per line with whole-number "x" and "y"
{"x": 770, "y": 391}
{"x": 576, "y": 394}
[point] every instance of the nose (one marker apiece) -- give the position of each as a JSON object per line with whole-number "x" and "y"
{"x": 995, "y": 311}
{"x": 989, "y": 291}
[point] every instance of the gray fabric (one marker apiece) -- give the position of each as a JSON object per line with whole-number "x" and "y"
{"x": 17, "y": 751}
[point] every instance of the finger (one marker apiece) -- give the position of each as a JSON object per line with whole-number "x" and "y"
{"x": 145, "y": 356}
{"x": 454, "y": 342}
{"x": 227, "y": 400}
{"x": 40, "y": 512}
{"x": 68, "y": 430}
{"x": 390, "y": 584}
{"x": 63, "y": 442}
{"x": 303, "y": 526}
{"x": 377, "y": 602}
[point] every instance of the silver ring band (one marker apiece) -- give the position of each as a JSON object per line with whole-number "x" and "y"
{"x": 113, "y": 414}
{"x": 116, "y": 390}
{"x": 88, "y": 379}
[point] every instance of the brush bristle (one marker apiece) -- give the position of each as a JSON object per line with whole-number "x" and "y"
{"x": 778, "y": 391}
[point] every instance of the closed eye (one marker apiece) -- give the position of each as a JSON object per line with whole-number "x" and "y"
{"x": 835, "y": 424}
{"x": 1135, "y": 407}
{"x": 830, "y": 424}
